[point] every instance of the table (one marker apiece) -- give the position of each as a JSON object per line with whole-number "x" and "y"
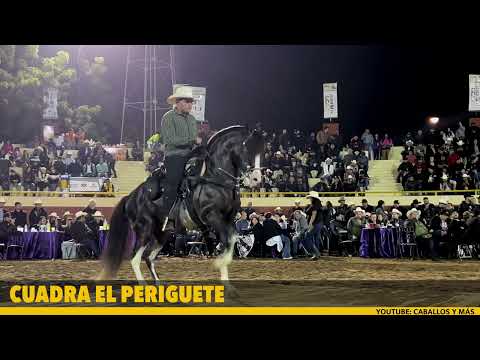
{"x": 380, "y": 242}
{"x": 48, "y": 245}
{"x": 37, "y": 245}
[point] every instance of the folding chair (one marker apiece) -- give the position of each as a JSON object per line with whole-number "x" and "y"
{"x": 408, "y": 241}
{"x": 16, "y": 244}
{"x": 3, "y": 248}
{"x": 465, "y": 251}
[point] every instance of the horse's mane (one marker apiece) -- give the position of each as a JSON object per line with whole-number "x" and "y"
{"x": 219, "y": 134}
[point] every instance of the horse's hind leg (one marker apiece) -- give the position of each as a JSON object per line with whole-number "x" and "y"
{"x": 157, "y": 246}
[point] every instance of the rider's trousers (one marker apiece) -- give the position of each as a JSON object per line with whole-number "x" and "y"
{"x": 175, "y": 165}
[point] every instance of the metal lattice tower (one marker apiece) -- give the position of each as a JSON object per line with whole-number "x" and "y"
{"x": 149, "y": 71}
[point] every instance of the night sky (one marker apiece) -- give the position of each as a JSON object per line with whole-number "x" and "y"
{"x": 385, "y": 88}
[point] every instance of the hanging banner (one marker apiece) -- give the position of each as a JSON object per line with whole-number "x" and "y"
{"x": 199, "y": 94}
{"x": 330, "y": 106}
{"x": 85, "y": 184}
{"x": 50, "y": 100}
{"x": 474, "y": 93}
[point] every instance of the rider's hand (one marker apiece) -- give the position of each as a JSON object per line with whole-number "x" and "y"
{"x": 198, "y": 140}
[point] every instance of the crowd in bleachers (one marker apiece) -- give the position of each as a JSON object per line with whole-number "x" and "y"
{"x": 299, "y": 162}
{"x": 441, "y": 160}
{"x": 44, "y": 168}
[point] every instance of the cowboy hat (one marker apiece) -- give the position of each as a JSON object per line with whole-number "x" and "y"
{"x": 67, "y": 213}
{"x": 444, "y": 177}
{"x": 341, "y": 199}
{"x": 460, "y": 143}
{"x": 182, "y": 92}
{"x": 396, "y": 211}
{"x": 465, "y": 175}
{"x": 328, "y": 159}
{"x": 313, "y": 194}
{"x": 2, "y": 200}
{"x": 354, "y": 161}
{"x": 253, "y": 215}
{"x": 278, "y": 208}
{"x": 443, "y": 201}
{"x": 53, "y": 214}
{"x": 278, "y": 153}
{"x": 38, "y": 201}
{"x": 80, "y": 214}
{"x": 359, "y": 209}
{"x": 411, "y": 211}
{"x": 349, "y": 167}
{"x": 98, "y": 214}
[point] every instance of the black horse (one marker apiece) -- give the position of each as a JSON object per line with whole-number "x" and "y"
{"x": 211, "y": 202}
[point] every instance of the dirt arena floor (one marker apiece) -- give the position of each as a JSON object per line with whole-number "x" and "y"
{"x": 331, "y": 281}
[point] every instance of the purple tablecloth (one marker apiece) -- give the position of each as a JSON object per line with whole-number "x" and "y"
{"x": 380, "y": 242}
{"x": 36, "y": 245}
{"x": 47, "y": 245}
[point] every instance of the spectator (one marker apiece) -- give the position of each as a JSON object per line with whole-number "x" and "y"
{"x": 53, "y": 179}
{"x": 66, "y": 221}
{"x": 75, "y": 169}
{"x": 42, "y": 179}
{"x": 315, "y": 218}
{"x": 439, "y": 227}
{"x": 19, "y": 215}
{"x": 89, "y": 169}
{"x": 7, "y": 228}
{"x": 3, "y": 211}
{"x": 242, "y": 225}
{"x": 386, "y": 145}
{"x": 15, "y": 180}
{"x": 36, "y": 213}
{"x": 368, "y": 141}
{"x": 259, "y": 239}
{"x": 107, "y": 186}
{"x": 54, "y": 221}
{"x": 102, "y": 168}
{"x": 355, "y": 224}
{"x": 81, "y": 234}
{"x": 91, "y": 208}
{"x": 68, "y": 160}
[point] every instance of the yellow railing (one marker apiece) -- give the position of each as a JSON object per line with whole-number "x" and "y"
{"x": 247, "y": 194}
{"x": 364, "y": 193}
{"x": 62, "y": 194}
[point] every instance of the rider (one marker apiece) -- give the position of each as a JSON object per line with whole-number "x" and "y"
{"x": 180, "y": 135}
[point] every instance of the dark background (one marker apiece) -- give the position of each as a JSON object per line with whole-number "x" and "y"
{"x": 388, "y": 88}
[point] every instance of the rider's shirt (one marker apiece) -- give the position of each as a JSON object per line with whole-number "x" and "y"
{"x": 178, "y": 130}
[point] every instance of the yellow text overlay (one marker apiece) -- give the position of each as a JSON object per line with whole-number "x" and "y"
{"x": 106, "y": 294}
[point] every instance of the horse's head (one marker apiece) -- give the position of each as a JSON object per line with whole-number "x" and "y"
{"x": 233, "y": 149}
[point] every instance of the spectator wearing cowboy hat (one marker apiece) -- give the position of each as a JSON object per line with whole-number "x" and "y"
{"x": 365, "y": 206}
{"x": 396, "y": 218}
{"x": 315, "y": 218}
{"x": 54, "y": 220}
{"x": 66, "y": 222}
{"x": 439, "y": 228}
{"x": 396, "y": 205}
{"x": 82, "y": 234}
{"x": 36, "y": 213}
{"x": 356, "y": 223}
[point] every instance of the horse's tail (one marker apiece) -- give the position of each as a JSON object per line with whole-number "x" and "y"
{"x": 117, "y": 240}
